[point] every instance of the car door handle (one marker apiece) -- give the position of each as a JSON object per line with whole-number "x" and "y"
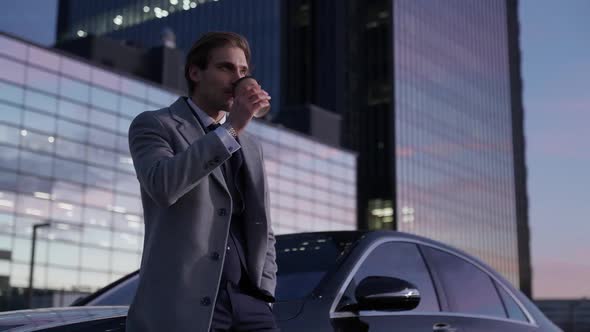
{"x": 443, "y": 327}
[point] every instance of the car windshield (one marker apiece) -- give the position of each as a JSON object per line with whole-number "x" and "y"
{"x": 302, "y": 259}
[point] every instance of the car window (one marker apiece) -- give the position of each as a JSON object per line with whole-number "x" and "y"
{"x": 121, "y": 294}
{"x": 468, "y": 289}
{"x": 304, "y": 259}
{"x": 514, "y": 311}
{"x": 401, "y": 260}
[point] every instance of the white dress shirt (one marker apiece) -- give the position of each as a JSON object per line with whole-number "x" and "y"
{"x": 226, "y": 138}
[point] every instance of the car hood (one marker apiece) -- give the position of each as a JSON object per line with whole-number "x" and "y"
{"x": 28, "y": 320}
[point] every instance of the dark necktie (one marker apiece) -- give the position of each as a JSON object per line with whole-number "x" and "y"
{"x": 213, "y": 126}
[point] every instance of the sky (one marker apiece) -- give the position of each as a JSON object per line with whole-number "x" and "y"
{"x": 555, "y": 46}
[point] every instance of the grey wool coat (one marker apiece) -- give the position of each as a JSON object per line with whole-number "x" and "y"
{"x": 187, "y": 211}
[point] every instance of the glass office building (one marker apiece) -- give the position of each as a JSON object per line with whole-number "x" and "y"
{"x": 430, "y": 95}
{"x": 453, "y": 127}
{"x": 143, "y": 22}
{"x": 64, "y": 160}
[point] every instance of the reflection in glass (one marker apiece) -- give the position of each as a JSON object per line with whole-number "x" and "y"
{"x": 36, "y": 163}
{"x": 71, "y": 130}
{"x": 97, "y": 217}
{"x": 12, "y": 71}
{"x": 62, "y": 278}
{"x": 125, "y": 262}
{"x": 97, "y": 237}
{"x": 126, "y": 241}
{"x": 69, "y": 171}
{"x": 40, "y": 101}
{"x": 99, "y": 198}
{"x": 100, "y": 156}
{"x": 124, "y": 124}
{"x": 103, "y": 119}
{"x": 102, "y": 138}
{"x": 74, "y": 89}
{"x": 72, "y": 110}
{"x": 130, "y": 107}
{"x": 32, "y": 206}
{"x": 6, "y": 227}
{"x": 7, "y": 181}
{"x": 21, "y": 252}
{"x": 38, "y": 121}
{"x": 19, "y": 275}
{"x": 63, "y": 191}
{"x": 123, "y": 145}
{"x": 127, "y": 183}
{"x": 62, "y": 211}
{"x": 8, "y": 157}
{"x": 100, "y": 177}
{"x": 43, "y": 58}
{"x": 128, "y": 222}
{"x": 34, "y": 186}
{"x": 11, "y": 93}
{"x": 38, "y": 142}
{"x": 91, "y": 281}
{"x": 105, "y": 79}
{"x": 10, "y": 113}
{"x": 104, "y": 99}
{"x": 42, "y": 80}
{"x": 126, "y": 203}
{"x": 133, "y": 88}
{"x": 69, "y": 149}
{"x": 76, "y": 69}
{"x": 64, "y": 254}
{"x": 159, "y": 97}
{"x": 13, "y": 48}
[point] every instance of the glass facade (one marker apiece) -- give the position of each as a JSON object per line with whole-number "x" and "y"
{"x": 64, "y": 159}
{"x": 143, "y": 21}
{"x": 453, "y": 130}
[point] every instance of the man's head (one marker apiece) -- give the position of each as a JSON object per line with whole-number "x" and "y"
{"x": 214, "y": 62}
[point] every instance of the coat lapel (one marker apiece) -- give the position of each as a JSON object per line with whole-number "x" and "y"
{"x": 190, "y": 129}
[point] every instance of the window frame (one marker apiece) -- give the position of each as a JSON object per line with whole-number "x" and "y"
{"x": 369, "y": 250}
{"x": 444, "y": 311}
{"x": 496, "y": 283}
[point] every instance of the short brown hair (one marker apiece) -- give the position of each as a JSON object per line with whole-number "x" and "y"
{"x": 201, "y": 50}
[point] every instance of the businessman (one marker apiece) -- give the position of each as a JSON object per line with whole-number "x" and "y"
{"x": 208, "y": 260}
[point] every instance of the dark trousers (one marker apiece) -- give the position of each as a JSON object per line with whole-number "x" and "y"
{"x": 237, "y": 311}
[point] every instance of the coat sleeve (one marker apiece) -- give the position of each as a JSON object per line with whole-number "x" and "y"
{"x": 165, "y": 175}
{"x": 269, "y": 271}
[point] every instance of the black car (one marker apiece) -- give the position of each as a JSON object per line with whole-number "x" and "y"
{"x": 345, "y": 281}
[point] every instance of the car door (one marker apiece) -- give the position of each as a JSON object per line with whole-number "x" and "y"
{"x": 395, "y": 259}
{"x": 478, "y": 300}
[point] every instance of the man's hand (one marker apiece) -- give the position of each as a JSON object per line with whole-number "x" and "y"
{"x": 249, "y": 98}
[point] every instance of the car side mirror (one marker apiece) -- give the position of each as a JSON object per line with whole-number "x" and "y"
{"x": 386, "y": 294}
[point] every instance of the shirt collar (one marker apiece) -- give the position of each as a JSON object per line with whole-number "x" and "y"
{"x": 204, "y": 117}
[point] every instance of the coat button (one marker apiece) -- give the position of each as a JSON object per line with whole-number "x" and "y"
{"x": 215, "y": 256}
{"x": 206, "y": 301}
{"x": 221, "y": 212}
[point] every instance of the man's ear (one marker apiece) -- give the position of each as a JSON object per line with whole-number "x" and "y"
{"x": 194, "y": 74}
